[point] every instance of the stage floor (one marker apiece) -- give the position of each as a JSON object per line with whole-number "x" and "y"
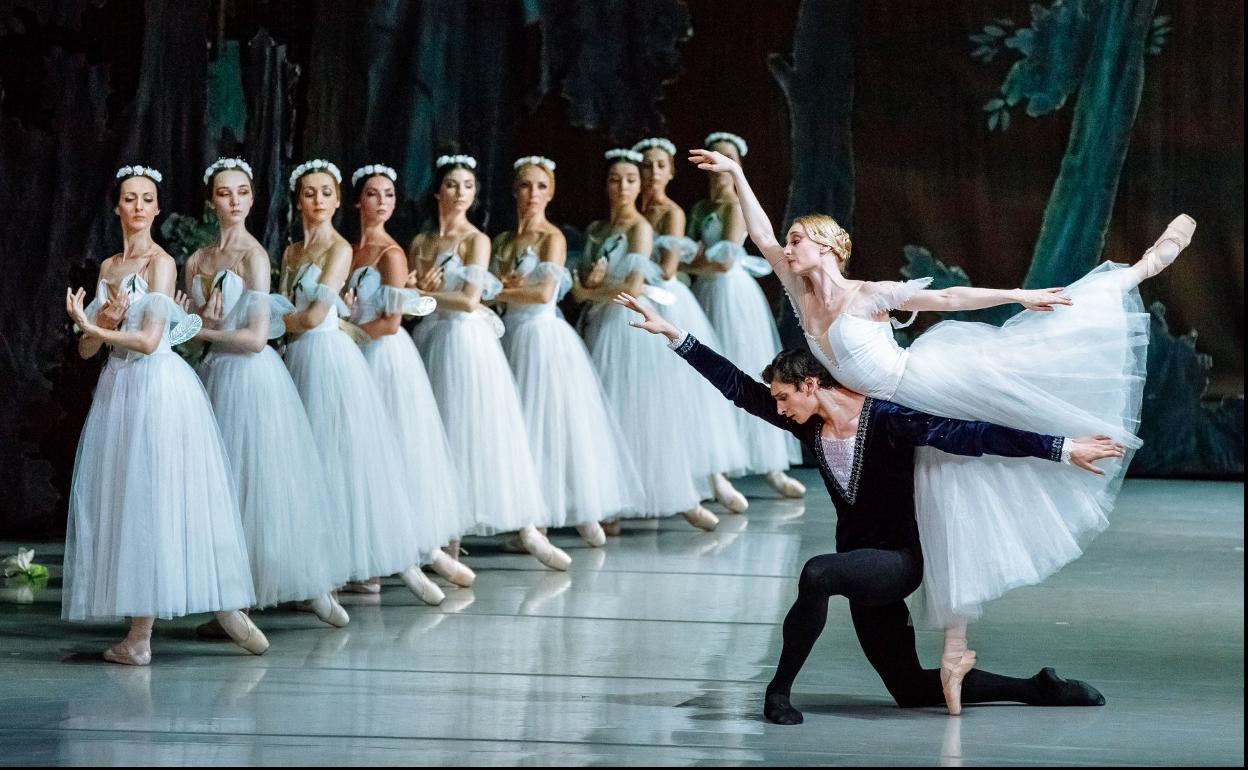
{"x": 655, "y": 650}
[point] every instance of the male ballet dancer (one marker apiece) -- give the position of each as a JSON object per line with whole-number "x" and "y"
{"x": 878, "y": 562}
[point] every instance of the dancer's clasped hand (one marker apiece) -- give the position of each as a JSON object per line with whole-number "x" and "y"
{"x": 1086, "y": 450}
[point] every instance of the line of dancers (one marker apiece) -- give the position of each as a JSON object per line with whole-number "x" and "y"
{"x": 370, "y": 453}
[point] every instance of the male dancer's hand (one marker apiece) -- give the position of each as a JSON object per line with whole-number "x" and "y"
{"x": 1086, "y": 450}
{"x": 650, "y": 320}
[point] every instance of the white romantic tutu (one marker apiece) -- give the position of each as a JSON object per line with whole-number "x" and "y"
{"x": 154, "y": 529}
{"x": 741, "y": 317}
{"x": 434, "y": 484}
{"x": 637, "y": 371}
{"x": 295, "y": 541}
{"x": 711, "y": 421}
{"x": 359, "y": 453}
{"x": 991, "y": 524}
{"x": 586, "y": 470}
{"x": 476, "y": 396}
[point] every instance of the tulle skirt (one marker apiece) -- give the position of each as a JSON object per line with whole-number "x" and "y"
{"x": 586, "y": 471}
{"x": 295, "y": 542}
{"x": 638, "y": 373}
{"x": 154, "y": 529}
{"x": 741, "y": 317}
{"x": 711, "y": 421}
{"x": 476, "y": 396}
{"x": 359, "y": 453}
{"x": 991, "y": 524}
{"x": 408, "y": 398}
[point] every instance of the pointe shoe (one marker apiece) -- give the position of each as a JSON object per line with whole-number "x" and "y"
{"x": 425, "y": 589}
{"x": 727, "y": 495}
{"x": 612, "y": 528}
{"x": 329, "y": 611}
{"x": 454, "y": 571}
{"x": 543, "y": 550}
{"x": 361, "y": 587}
{"x": 953, "y": 669}
{"x": 244, "y": 632}
{"x": 1163, "y": 252}
{"x": 702, "y": 519}
{"x": 785, "y": 484}
{"x": 593, "y": 534}
{"x": 126, "y": 656}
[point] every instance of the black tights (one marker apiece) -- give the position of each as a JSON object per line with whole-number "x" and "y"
{"x": 876, "y": 582}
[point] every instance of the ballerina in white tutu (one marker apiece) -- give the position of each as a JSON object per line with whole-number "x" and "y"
{"x": 1071, "y": 364}
{"x": 292, "y": 540}
{"x": 586, "y": 471}
{"x": 727, "y": 289}
{"x": 378, "y": 284}
{"x": 474, "y": 387}
{"x": 713, "y": 428}
{"x": 359, "y": 452}
{"x": 154, "y": 530}
{"x": 635, "y": 373}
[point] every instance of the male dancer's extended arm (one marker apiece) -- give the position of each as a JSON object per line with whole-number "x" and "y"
{"x": 737, "y": 386}
{"x": 962, "y": 437}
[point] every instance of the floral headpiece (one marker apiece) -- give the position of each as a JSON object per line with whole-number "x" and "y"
{"x": 308, "y": 166}
{"x": 373, "y": 169}
{"x": 451, "y": 160}
{"x": 147, "y": 171}
{"x": 623, "y": 153}
{"x": 220, "y": 164}
{"x": 534, "y": 160}
{"x": 656, "y": 141}
{"x": 724, "y": 136}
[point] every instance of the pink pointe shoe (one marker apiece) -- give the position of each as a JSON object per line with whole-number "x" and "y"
{"x": 244, "y": 632}
{"x": 593, "y": 534}
{"x": 425, "y": 589}
{"x": 953, "y": 669}
{"x": 454, "y": 571}
{"x": 702, "y": 519}
{"x": 120, "y": 653}
{"x": 785, "y": 484}
{"x": 1177, "y": 236}
{"x": 546, "y": 552}
{"x": 727, "y": 495}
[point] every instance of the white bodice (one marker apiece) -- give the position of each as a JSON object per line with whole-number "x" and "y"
{"x": 142, "y": 301}
{"x": 373, "y": 298}
{"x": 535, "y": 273}
{"x": 620, "y": 261}
{"x": 230, "y": 285}
{"x": 307, "y": 288}
{"x": 715, "y": 248}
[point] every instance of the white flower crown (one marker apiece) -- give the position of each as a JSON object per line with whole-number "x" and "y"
{"x": 656, "y": 141}
{"x": 535, "y": 160}
{"x": 623, "y": 153}
{"x": 227, "y": 163}
{"x": 724, "y": 136}
{"x": 450, "y": 160}
{"x": 308, "y": 166}
{"x": 373, "y": 169}
{"x": 147, "y": 171}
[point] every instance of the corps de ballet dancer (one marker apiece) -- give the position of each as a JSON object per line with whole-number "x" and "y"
{"x": 586, "y": 471}
{"x": 363, "y": 468}
{"x": 293, "y": 542}
{"x": 378, "y": 284}
{"x": 636, "y": 372}
{"x": 1071, "y": 364}
{"x": 468, "y": 370}
{"x": 727, "y": 289}
{"x": 154, "y": 528}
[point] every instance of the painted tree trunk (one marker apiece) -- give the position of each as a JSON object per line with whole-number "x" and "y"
{"x": 1082, "y": 201}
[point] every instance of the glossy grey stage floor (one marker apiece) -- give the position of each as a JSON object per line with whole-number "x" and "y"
{"x": 655, "y": 650}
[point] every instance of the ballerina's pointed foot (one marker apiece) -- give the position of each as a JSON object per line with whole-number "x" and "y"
{"x": 593, "y": 534}
{"x": 543, "y": 550}
{"x": 425, "y": 589}
{"x": 454, "y": 571}
{"x": 1178, "y": 234}
{"x": 953, "y": 669}
{"x": 786, "y": 485}
{"x": 612, "y": 528}
{"x": 243, "y": 631}
{"x": 126, "y": 655}
{"x": 702, "y": 519}
{"x": 328, "y": 610}
{"x": 778, "y": 709}
{"x": 727, "y": 495}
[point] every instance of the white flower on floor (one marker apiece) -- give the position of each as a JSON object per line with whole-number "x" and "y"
{"x": 23, "y": 564}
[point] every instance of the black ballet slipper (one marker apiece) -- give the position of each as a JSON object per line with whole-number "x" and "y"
{"x": 777, "y": 709}
{"x": 1056, "y": 691}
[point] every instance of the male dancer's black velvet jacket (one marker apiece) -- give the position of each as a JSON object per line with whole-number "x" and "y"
{"x": 876, "y": 510}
